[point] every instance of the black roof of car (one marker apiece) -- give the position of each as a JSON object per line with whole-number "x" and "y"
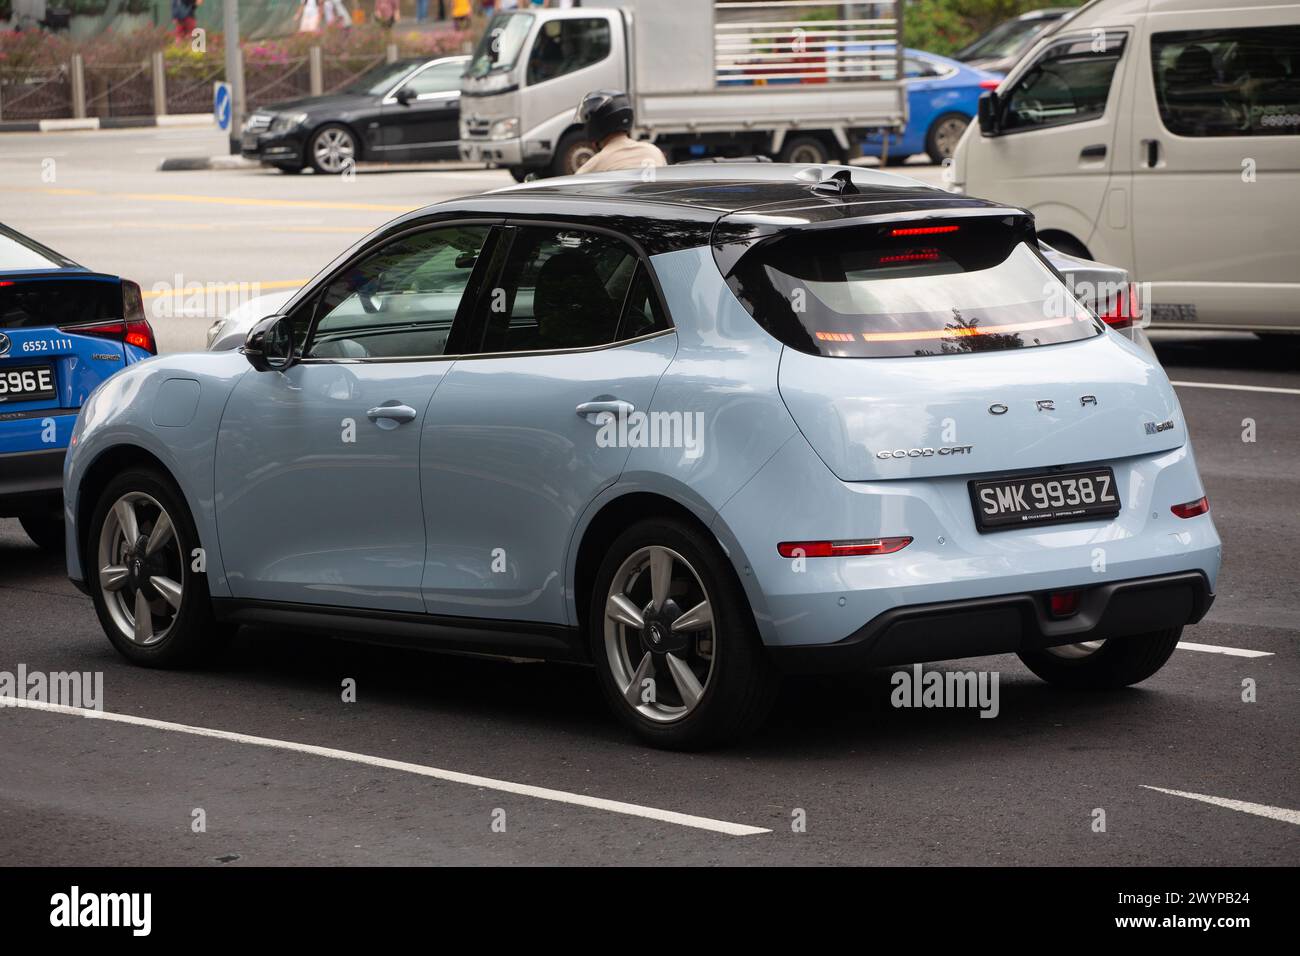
{"x": 681, "y": 206}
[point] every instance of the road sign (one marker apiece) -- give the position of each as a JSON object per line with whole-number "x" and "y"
{"x": 222, "y": 103}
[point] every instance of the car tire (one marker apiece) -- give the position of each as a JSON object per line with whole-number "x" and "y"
{"x": 896, "y": 160}
{"x": 520, "y": 173}
{"x": 574, "y": 150}
{"x": 176, "y": 596}
{"x": 332, "y": 149}
{"x": 290, "y": 169}
{"x": 45, "y": 528}
{"x": 942, "y": 136}
{"x": 804, "y": 150}
{"x": 732, "y": 683}
{"x": 1104, "y": 665}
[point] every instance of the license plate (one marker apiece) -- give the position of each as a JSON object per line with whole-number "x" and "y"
{"x": 1044, "y": 499}
{"x": 26, "y": 383}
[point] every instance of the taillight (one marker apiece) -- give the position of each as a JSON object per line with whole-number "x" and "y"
{"x": 1125, "y": 310}
{"x": 1190, "y": 509}
{"x": 990, "y": 84}
{"x": 841, "y": 549}
{"x": 133, "y": 328}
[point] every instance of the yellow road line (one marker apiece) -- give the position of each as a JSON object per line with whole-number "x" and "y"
{"x": 228, "y": 287}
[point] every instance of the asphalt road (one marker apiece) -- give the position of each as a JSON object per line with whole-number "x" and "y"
{"x": 875, "y": 784}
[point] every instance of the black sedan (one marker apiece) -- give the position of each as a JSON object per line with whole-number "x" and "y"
{"x": 397, "y": 112}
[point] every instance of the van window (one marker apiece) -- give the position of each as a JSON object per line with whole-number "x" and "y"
{"x": 1070, "y": 83}
{"x": 1228, "y": 82}
{"x": 564, "y": 46}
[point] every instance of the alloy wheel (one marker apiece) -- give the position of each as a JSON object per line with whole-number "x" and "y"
{"x": 334, "y": 150}
{"x": 659, "y": 634}
{"x": 141, "y": 568}
{"x": 947, "y": 134}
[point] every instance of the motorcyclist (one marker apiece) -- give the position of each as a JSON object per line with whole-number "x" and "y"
{"x": 607, "y": 115}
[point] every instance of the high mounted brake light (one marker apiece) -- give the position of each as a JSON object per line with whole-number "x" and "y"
{"x": 922, "y": 231}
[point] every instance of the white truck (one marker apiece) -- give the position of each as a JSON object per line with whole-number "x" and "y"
{"x": 795, "y": 80}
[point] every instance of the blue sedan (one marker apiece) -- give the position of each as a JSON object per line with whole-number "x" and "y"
{"x": 63, "y": 330}
{"x": 942, "y": 96}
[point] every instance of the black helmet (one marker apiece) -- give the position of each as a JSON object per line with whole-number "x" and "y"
{"x": 605, "y": 112}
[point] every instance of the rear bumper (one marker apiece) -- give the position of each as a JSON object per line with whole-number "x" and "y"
{"x": 29, "y": 477}
{"x": 1007, "y": 623}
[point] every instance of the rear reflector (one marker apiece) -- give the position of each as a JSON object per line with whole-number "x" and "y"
{"x": 1063, "y": 603}
{"x": 1190, "y": 509}
{"x": 923, "y": 230}
{"x": 841, "y": 549}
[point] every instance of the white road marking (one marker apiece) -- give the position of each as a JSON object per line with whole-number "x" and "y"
{"x": 1216, "y": 649}
{"x": 452, "y": 776}
{"x": 1240, "y": 388}
{"x": 1259, "y": 809}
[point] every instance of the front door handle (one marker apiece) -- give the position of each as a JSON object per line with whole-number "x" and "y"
{"x": 1093, "y": 153}
{"x": 1153, "y": 152}
{"x": 613, "y": 406}
{"x": 394, "y": 413}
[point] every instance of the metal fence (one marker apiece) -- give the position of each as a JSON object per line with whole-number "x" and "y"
{"x": 35, "y": 95}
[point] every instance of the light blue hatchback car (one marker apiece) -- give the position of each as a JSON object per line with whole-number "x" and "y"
{"x": 695, "y": 432}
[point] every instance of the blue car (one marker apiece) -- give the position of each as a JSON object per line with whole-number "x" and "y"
{"x": 63, "y": 331}
{"x": 942, "y": 98}
{"x": 691, "y": 431}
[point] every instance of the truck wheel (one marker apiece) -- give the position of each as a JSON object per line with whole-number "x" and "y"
{"x": 573, "y": 151}
{"x": 1103, "y": 665}
{"x": 941, "y": 139}
{"x": 673, "y": 639}
{"x": 804, "y": 150}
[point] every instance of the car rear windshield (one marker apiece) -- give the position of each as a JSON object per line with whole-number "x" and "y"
{"x": 907, "y": 289}
{"x": 35, "y": 303}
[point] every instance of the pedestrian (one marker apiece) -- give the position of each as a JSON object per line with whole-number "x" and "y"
{"x": 309, "y": 16}
{"x": 387, "y": 12}
{"x": 335, "y": 13}
{"x": 183, "y": 12}
{"x": 421, "y": 10}
{"x": 460, "y": 11}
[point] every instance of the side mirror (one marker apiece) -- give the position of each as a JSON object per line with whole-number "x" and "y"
{"x": 405, "y": 95}
{"x": 269, "y": 346}
{"x": 989, "y": 107}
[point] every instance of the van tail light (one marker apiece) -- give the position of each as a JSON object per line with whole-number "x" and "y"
{"x": 990, "y": 84}
{"x": 1190, "y": 509}
{"x": 1125, "y": 310}
{"x": 133, "y": 328}
{"x": 841, "y": 549}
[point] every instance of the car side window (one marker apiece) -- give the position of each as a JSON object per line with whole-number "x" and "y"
{"x": 559, "y": 289}
{"x": 439, "y": 78}
{"x": 1069, "y": 83}
{"x": 1228, "y": 82}
{"x": 642, "y": 315}
{"x": 915, "y": 69}
{"x": 563, "y": 46}
{"x": 400, "y": 300}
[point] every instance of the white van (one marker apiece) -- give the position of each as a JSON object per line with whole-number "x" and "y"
{"x": 1162, "y": 136}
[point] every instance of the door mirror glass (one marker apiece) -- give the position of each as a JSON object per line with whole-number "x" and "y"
{"x": 269, "y": 346}
{"x": 988, "y": 110}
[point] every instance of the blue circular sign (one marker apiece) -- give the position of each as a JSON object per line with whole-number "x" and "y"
{"x": 221, "y": 104}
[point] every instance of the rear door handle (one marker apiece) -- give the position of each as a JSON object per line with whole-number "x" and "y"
{"x": 1093, "y": 152}
{"x": 1153, "y": 152}
{"x": 615, "y": 406}
{"x": 395, "y": 413}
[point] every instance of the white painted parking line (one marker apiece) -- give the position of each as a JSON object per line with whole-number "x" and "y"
{"x": 1240, "y": 388}
{"x": 452, "y": 776}
{"x": 1259, "y": 809}
{"x": 1216, "y": 649}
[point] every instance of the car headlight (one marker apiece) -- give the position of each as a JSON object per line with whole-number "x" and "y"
{"x": 505, "y": 128}
{"x": 287, "y": 121}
